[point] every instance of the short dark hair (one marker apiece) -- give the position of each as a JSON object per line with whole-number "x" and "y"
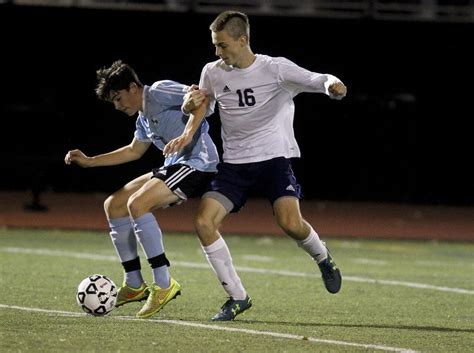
{"x": 235, "y": 23}
{"x": 115, "y": 78}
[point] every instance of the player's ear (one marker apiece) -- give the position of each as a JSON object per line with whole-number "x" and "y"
{"x": 244, "y": 40}
{"x": 132, "y": 86}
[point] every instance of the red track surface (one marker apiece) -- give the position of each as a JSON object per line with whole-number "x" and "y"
{"x": 330, "y": 219}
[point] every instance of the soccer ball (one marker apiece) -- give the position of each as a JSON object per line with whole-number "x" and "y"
{"x": 97, "y": 295}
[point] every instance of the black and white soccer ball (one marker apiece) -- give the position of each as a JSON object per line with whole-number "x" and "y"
{"x": 97, "y": 295}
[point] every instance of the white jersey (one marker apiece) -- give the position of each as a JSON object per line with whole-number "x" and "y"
{"x": 256, "y": 105}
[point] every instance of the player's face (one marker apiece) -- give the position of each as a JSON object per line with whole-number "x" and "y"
{"x": 125, "y": 100}
{"x": 229, "y": 49}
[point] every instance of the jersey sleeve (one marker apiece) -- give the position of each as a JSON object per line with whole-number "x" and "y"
{"x": 140, "y": 132}
{"x": 297, "y": 79}
{"x": 205, "y": 84}
{"x": 168, "y": 93}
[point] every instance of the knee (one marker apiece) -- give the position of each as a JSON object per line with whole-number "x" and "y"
{"x": 204, "y": 226}
{"x": 135, "y": 206}
{"x": 292, "y": 226}
{"x": 200, "y": 224}
{"x": 111, "y": 207}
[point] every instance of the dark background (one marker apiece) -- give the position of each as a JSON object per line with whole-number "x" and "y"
{"x": 403, "y": 133}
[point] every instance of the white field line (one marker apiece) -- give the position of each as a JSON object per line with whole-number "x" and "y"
{"x": 220, "y": 328}
{"x": 258, "y": 258}
{"x": 365, "y": 261}
{"x": 197, "y": 265}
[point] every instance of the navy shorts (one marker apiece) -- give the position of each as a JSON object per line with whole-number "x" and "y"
{"x": 273, "y": 179}
{"x": 184, "y": 181}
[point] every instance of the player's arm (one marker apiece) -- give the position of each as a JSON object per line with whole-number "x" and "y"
{"x": 131, "y": 152}
{"x": 195, "y": 119}
{"x": 303, "y": 80}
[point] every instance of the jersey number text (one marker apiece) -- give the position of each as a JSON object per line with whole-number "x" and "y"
{"x": 246, "y": 98}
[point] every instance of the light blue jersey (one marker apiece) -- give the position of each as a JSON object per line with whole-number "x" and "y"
{"x": 162, "y": 120}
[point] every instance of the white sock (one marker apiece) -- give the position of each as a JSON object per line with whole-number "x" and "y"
{"x": 220, "y": 260}
{"x": 314, "y": 246}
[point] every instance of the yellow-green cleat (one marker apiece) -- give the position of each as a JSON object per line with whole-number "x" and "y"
{"x": 126, "y": 294}
{"x": 158, "y": 298}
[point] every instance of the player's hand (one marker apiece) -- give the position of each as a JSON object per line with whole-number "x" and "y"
{"x": 76, "y": 156}
{"x": 337, "y": 90}
{"x": 176, "y": 145}
{"x": 193, "y": 87}
{"x": 193, "y": 99}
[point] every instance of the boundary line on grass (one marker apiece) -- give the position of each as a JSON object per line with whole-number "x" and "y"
{"x": 194, "y": 265}
{"x": 220, "y": 328}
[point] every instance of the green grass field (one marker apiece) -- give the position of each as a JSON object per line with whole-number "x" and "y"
{"x": 396, "y": 297}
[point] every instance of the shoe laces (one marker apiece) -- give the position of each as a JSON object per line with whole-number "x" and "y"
{"x": 160, "y": 293}
{"x": 327, "y": 265}
{"x": 227, "y": 304}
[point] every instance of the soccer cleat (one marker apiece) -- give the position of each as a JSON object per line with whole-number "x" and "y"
{"x": 232, "y": 308}
{"x": 159, "y": 298}
{"x": 126, "y": 294}
{"x": 330, "y": 274}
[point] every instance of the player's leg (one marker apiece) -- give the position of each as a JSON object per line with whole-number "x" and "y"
{"x": 283, "y": 190}
{"x": 210, "y": 215}
{"x": 213, "y": 208}
{"x": 123, "y": 238}
{"x": 288, "y": 215}
{"x": 153, "y": 194}
{"x": 171, "y": 185}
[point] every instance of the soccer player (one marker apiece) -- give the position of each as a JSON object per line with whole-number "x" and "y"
{"x": 255, "y": 97}
{"x": 183, "y": 175}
